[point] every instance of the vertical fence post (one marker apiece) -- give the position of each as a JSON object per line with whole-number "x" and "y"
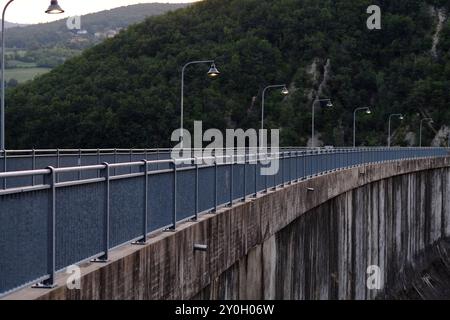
{"x": 104, "y": 258}
{"x": 5, "y": 156}
{"x": 282, "y": 168}
{"x": 79, "y": 164}
{"x": 266, "y": 176}
{"x": 296, "y": 166}
{"x": 143, "y": 240}
{"x": 245, "y": 177}
{"x": 33, "y": 164}
{"x": 50, "y": 180}
{"x": 58, "y": 163}
{"x": 175, "y": 197}
{"x": 231, "y": 180}
{"x": 290, "y": 167}
{"x": 196, "y": 187}
{"x": 131, "y": 160}
{"x": 305, "y": 162}
{"x": 215, "y": 183}
{"x": 255, "y": 195}
{"x": 98, "y": 161}
{"x": 115, "y": 161}
{"x": 157, "y": 159}
{"x": 268, "y": 159}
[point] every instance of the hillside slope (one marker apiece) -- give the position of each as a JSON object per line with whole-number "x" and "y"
{"x": 125, "y": 91}
{"x": 48, "y": 35}
{"x": 9, "y": 25}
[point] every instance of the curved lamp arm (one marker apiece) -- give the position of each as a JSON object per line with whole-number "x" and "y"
{"x": 263, "y": 100}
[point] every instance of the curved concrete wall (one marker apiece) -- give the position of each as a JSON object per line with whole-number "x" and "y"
{"x": 325, "y": 254}
{"x": 293, "y": 243}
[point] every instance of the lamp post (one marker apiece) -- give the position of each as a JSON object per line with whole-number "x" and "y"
{"x": 401, "y": 117}
{"x": 54, "y": 8}
{"x": 284, "y": 91}
{"x": 367, "y": 109}
{"x": 329, "y": 104}
{"x": 212, "y": 73}
{"x": 420, "y": 131}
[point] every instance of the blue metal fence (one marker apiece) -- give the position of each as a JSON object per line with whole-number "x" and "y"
{"x": 55, "y": 217}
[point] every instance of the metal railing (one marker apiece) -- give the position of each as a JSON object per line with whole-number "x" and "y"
{"x": 19, "y": 160}
{"x": 48, "y": 225}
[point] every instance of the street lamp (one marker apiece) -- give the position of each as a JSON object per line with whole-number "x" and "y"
{"x": 430, "y": 120}
{"x": 401, "y": 117}
{"x": 367, "y": 109}
{"x": 54, "y": 8}
{"x": 284, "y": 92}
{"x": 212, "y": 73}
{"x": 329, "y": 105}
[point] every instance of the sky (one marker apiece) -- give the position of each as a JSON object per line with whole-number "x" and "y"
{"x": 33, "y": 11}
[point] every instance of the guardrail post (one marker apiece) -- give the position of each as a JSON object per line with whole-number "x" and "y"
{"x": 268, "y": 159}
{"x": 305, "y": 162}
{"x": 98, "y": 161}
{"x": 5, "y": 156}
{"x": 245, "y": 176}
{"x": 115, "y": 160}
{"x": 131, "y": 160}
{"x": 104, "y": 257}
{"x": 290, "y": 167}
{"x": 50, "y": 180}
{"x": 175, "y": 196}
{"x": 231, "y": 180}
{"x": 33, "y": 164}
{"x": 256, "y": 177}
{"x": 79, "y": 163}
{"x": 157, "y": 159}
{"x": 58, "y": 163}
{"x": 143, "y": 240}
{"x": 196, "y": 188}
{"x": 215, "y": 183}
{"x": 282, "y": 168}
{"x": 266, "y": 176}
{"x": 296, "y": 166}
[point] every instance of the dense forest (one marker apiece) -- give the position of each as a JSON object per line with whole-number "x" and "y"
{"x": 125, "y": 92}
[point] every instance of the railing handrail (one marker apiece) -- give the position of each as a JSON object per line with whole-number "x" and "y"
{"x": 11, "y": 174}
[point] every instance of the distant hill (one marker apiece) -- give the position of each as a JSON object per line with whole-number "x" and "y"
{"x": 97, "y": 26}
{"x": 9, "y": 25}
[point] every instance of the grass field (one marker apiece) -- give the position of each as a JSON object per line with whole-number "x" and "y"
{"x": 24, "y": 74}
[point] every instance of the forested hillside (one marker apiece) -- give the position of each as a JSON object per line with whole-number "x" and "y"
{"x": 125, "y": 91}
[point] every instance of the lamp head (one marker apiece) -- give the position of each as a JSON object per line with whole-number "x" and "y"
{"x": 213, "y": 72}
{"x": 285, "y": 91}
{"x": 401, "y": 117}
{"x": 368, "y": 111}
{"x": 329, "y": 104}
{"x": 54, "y": 8}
